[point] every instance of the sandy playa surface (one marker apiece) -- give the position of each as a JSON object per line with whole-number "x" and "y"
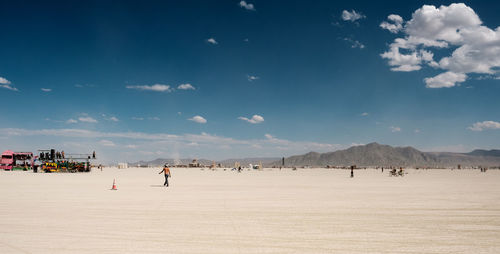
{"x": 304, "y": 211}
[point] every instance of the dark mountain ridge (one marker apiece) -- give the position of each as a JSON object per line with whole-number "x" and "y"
{"x": 375, "y": 154}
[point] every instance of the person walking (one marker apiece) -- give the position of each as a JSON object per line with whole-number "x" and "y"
{"x": 167, "y": 173}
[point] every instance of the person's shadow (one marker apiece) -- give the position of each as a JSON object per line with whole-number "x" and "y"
{"x": 157, "y": 186}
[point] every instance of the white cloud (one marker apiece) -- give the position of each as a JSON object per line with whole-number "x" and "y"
{"x": 46, "y": 89}
{"x": 9, "y": 87}
{"x": 155, "y": 88}
{"x": 268, "y": 136}
{"x": 4, "y": 81}
{"x": 255, "y": 119}
{"x": 137, "y": 118}
{"x": 247, "y": 6}
{"x": 445, "y": 79}
{"x": 105, "y": 142}
{"x": 212, "y": 41}
{"x": 198, "y": 119}
{"x": 395, "y": 25}
{"x": 485, "y": 125}
{"x": 154, "y": 118}
{"x": 71, "y": 120}
{"x": 355, "y": 43}
{"x": 417, "y": 130}
{"x": 252, "y": 78}
{"x": 185, "y": 87}
{"x": 395, "y": 129}
{"x": 131, "y": 146}
{"x": 87, "y": 119}
{"x": 364, "y": 114}
{"x": 475, "y": 48}
{"x": 352, "y": 15}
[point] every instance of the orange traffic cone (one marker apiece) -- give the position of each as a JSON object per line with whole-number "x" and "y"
{"x": 114, "y": 185}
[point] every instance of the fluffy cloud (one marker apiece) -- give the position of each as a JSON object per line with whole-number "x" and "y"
{"x": 185, "y": 87}
{"x": 46, "y": 89}
{"x": 155, "y": 88}
{"x": 395, "y": 25}
{"x": 485, "y": 125}
{"x": 364, "y": 114}
{"x": 255, "y": 119}
{"x": 352, "y": 15}
{"x": 212, "y": 41}
{"x": 475, "y": 47}
{"x": 446, "y": 79}
{"x": 87, "y": 119}
{"x": 252, "y": 78}
{"x": 71, "y": 120}
{"x": 395, "y": 129}
{"x": 248, "y": 6}
{"x": 4, "y": 83}
{"x": 198, "y": 119}
{"x": 114, "y": 119}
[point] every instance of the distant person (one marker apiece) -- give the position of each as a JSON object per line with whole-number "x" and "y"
{"x": 352, "y": 171}
{"x": 239, "y": 169}
{"x": 93, "y": 155}
{"x": 62, "y": 154}
{"x": 167, "y": 173}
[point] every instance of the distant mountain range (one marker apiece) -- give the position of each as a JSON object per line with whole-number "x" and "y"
{"x": 372, "y": 154}
{"x": 375, "y": 154}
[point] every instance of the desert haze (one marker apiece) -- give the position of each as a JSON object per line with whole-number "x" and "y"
{"x": 269, "y": 211}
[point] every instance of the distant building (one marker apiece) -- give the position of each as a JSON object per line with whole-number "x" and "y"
{"x": 122, "y": 165}
{"x": 194, "y": 164}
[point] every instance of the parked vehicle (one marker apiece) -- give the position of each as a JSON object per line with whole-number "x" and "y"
{"x": 16, "y": 160}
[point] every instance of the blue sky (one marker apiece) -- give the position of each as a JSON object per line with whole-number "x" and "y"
{"x": 224, "y": 79}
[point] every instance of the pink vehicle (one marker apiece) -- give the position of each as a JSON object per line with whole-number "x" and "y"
{"x": 16, "y": 160}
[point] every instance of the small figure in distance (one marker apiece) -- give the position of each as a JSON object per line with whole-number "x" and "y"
{"x": 167, "y": 173}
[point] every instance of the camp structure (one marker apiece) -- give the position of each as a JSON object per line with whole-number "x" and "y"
{"x": 55, "y": 161}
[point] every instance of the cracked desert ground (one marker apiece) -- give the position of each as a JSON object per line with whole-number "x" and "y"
{"x": 269, "y": 211}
